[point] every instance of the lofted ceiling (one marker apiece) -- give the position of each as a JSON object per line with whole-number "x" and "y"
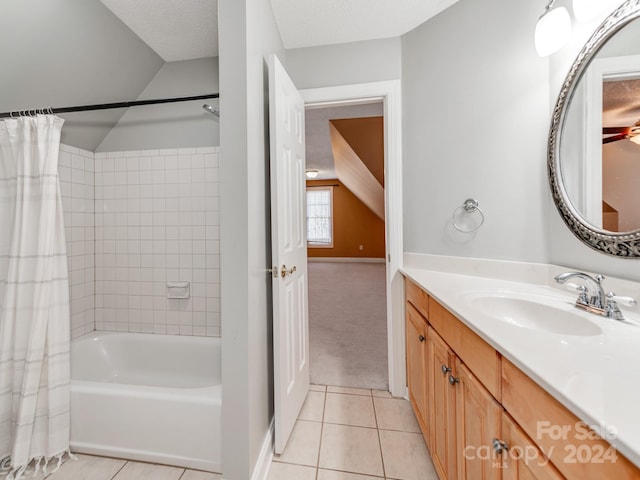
{"x": 308, "y": 23}
{"x": 183, "y": 30}
{"x": 175, "y": 30}
{"x": 319, "y": 155}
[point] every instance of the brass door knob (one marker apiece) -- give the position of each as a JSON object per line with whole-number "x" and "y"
{"x": 284, "y": 272}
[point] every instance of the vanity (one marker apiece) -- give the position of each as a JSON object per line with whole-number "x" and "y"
{"x": 503, "y": 388}
{"x": 510, "y": 375}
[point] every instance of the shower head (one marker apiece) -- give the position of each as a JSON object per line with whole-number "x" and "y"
{"x": 208, "y": 108}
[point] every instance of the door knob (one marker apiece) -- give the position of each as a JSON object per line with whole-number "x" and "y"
{"x": 445, "y": 369}
{"x": 284, "y": 272}
{"x": 453, "y": 380}
{"x": 421, "y": 338}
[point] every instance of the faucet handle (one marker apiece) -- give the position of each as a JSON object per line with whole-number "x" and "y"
{"x": 611, "y": 308}
{"x": 599, "y": 278}
{"x": 626, "y": 301}
{"x": 583, "y": 298}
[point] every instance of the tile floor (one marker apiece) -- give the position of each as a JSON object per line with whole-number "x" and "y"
{"x": 88, "y": 467}
{"x": 341, "y": 434}
{"x": 354, "y": 434}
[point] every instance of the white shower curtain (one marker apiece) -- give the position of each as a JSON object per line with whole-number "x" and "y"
{"x": 34, "y": 297}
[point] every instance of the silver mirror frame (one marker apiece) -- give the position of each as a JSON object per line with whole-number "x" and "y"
{"x": 617, "y": 244}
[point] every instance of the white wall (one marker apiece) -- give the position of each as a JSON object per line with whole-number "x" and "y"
{"x": 247, "y": 33}
{"x": 172, "y": 125}
{"x": 157, "y": 221}
{"x": 476, "y": 117}
{"x": 565, "y": 248}
{"x": 357, "y": 62}
{"x": 75, "y": 171}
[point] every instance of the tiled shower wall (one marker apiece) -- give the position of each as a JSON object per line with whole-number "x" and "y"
{"x": 157, "y": 221}
{"x": 75, "y": 169}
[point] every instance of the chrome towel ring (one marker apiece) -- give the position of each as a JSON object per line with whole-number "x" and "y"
{"x": 469, "y": 206}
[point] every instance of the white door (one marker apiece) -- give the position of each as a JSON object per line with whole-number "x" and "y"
{"x": 289, "y": 252}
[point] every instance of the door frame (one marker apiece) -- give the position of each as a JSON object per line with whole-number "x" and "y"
{"x": 389, "y": 92}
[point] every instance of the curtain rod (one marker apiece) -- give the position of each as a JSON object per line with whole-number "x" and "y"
{"x": 106, "y": 106}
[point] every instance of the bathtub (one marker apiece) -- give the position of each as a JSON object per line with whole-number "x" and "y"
{"x": 154, "y": 398}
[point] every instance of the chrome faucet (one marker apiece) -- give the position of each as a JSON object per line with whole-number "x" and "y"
{"x": 599, "y": 302}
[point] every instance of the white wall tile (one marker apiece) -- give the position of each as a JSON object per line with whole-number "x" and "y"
{"x": 154, "y": 226}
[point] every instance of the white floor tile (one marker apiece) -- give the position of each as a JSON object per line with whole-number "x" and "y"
{"x": 395, "y": 414}
{"x": 349, "y": 390}
{"x": 355, "y": 410}
{"x": 148, "y": 471}
{"x": 381, "y": 393}
{"x": 313, "y": 407}
{"x": 317, "y": 388}
{"x": 286, "y": 471}
{"x": 350, "y": 449}
{"x": 335, "y": 475}
{"x": 196, "y": 475}
{"x": 405, "y": 456}
{"x": 303, "y": 445}
{"x": 88, "y": 468}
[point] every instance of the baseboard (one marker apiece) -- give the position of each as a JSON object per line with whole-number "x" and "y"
{"x": 261, "y": 472}
{"x": 345, "y": 259}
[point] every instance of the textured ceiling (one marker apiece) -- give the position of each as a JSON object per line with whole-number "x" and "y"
{"x": 306, "y": 23}
{"x": 184, "y": 30}
{"x": 175, "y": 30}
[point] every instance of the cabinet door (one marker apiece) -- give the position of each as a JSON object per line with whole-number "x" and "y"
{"x": 478, "y": 423}
{"x": 416, "y": 366}
{"x": 523, "y": 460}
{"x": 442, "y": 401}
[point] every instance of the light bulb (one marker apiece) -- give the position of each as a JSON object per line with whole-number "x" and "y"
{"x": 552, "y": 31}
{"x": 311, "y": 173}
{"x": 587, "y": 10}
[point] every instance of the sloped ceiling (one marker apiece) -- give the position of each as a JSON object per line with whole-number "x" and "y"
{"x": 319, "y": 155}
{"x": 175, "y": 30}
{"x": 308, "y": 23}
{"x": 71, "y": 52}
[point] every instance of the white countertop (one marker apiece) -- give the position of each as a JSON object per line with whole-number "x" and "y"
{"x": 596, "y": 377}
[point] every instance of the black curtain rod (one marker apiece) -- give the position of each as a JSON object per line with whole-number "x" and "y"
{"x": 106, "y": 106}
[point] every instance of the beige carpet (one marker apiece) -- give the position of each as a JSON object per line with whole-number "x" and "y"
{"x": 348, "y": 325}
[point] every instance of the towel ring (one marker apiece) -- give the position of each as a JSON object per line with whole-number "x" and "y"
{"x": 470, "y": 205}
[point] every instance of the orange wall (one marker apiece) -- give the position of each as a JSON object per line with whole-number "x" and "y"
{"x": 366, "y": 137}
{"x": 353, "y": 225}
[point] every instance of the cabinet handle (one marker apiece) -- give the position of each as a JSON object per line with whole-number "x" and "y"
{"x": 453, "y": 380}
{"x": 445, "y": 369}
{"x": 499, "y": 446}
{"x": 421, "y": 338}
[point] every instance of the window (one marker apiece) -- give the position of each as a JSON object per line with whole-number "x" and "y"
{"x": 320, "y": 216}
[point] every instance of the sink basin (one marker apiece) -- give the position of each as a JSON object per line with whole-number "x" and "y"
{"x": 535, "y": 314}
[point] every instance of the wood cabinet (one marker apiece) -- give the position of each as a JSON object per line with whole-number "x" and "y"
{"x": 478, "y": 417}
{"x": 483, "y": 418}
{"x": 417, "y": 360}
{"x": 522, "y": 459}
{"x": 442, "y": 398}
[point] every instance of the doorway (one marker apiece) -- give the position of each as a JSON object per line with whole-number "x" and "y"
{"x": 346, "y": 245}
{"x": 386, "y": 94}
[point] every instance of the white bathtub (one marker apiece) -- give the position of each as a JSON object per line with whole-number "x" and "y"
{"x": 154, "y": 398}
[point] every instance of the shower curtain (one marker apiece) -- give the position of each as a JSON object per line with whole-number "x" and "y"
{"x": 34, "y": 297}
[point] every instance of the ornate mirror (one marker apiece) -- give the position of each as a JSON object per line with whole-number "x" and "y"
{"x": 594, "y": 143}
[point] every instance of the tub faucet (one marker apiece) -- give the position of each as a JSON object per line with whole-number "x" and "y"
{"x": 595, "y": 303}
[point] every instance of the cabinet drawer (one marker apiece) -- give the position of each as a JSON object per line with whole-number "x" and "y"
{"x": 478, "y": 355}
{"x": 559, "y": 433}
{"x": 417, "y": 297}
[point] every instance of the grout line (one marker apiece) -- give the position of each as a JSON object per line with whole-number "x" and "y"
{"x": 120, "y": 469}
{"x": 375, "y": 415}
{"x": 324, "y": 408}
